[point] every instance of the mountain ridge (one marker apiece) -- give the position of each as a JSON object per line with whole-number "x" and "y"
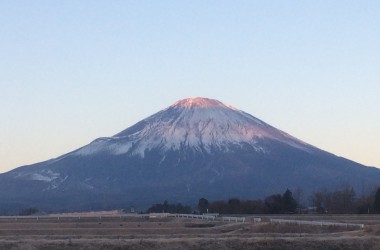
{"x": 196, "y": 147}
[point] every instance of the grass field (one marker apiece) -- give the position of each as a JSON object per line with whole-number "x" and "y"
{"x": 114, "y": 232}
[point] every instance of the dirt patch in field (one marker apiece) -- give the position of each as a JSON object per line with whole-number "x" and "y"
{"x": 298, "y": 229}
{"x": 199, "y": 225}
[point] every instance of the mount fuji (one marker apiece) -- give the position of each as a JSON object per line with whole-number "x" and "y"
{"x": 195, "y": 148}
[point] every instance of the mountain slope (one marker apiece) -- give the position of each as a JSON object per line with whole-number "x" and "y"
{"x": 195, "y": 148}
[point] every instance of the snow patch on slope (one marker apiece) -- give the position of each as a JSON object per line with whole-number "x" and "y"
{"x": 43, "y": 175}
{"x": 40, "y": 177}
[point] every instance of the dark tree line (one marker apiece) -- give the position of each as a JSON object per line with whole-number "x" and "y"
{"x": 277, "y": 203}
{"x": 376, "y": 203}
{"x": 336, "y": 202}
{"x": 344, "y": 201}
{"x": 166, "y": 207}
{"x": 341, "y": 201}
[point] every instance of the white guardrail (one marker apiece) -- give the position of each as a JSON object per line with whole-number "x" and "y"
{"x": 151, "y": 215}
{"x": 256, "y": 220}
{"x": 208, "y": 217}
{"x": 193, "y": 216}
{"x": 58, "y": 217}
{"x": 235, "y": 219}
{"x": 318, "y": 223}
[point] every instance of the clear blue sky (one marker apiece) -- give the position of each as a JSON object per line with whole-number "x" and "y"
{"x": 72, "y": 71}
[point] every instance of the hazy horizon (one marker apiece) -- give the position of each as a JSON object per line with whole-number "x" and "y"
{"x": 71, "y": 72}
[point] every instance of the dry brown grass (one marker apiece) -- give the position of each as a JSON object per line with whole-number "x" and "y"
{"x": 196, "y": 243}
{"x": 171, "y": 233}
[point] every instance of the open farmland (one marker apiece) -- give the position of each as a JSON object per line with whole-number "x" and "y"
{"x": 137, "y": 232}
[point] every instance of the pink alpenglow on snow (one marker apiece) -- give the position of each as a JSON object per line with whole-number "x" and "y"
{"x": 197, "y": 123}
{"x": 200, "y": 103}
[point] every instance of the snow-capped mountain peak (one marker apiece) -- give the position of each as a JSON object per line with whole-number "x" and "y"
{"x": 200, "y": 124}
{"x": 199, "y": 102}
